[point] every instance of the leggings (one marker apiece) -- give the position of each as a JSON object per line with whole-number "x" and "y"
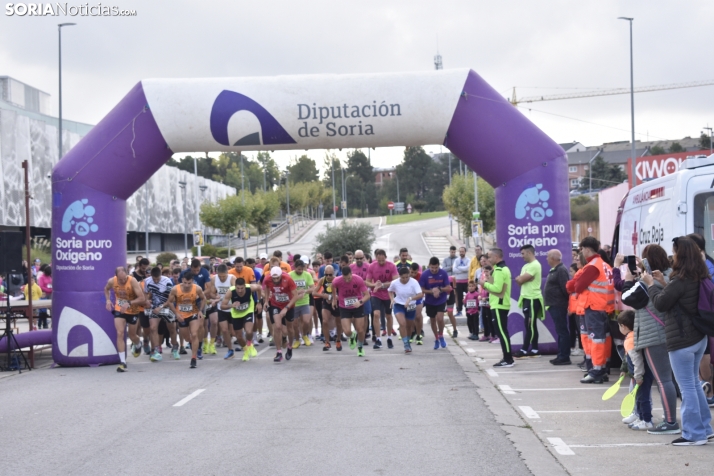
{"x": 500, "y": 324}
{"x": 658, "y": 362}
{"x": 472, "y": 322}
{"x": 487, "y": 322}
{"x": 461, "y": 290}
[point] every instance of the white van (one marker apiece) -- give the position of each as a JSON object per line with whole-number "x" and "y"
{"x": 661, "y": 209}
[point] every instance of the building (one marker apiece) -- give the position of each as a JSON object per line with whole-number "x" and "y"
{"x": 381, "y": 175}
{"x": 616, "y": 153}
{"x": 28, "y": 131}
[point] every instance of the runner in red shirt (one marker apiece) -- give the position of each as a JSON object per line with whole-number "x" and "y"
{"x": 380, "y": 275}
{"x": 360, "y": 268}
{"x": 281, "y": 294}
{"x": 352, "y": 294}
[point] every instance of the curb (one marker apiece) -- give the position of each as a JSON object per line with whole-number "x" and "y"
{"x": 535, "y": 454}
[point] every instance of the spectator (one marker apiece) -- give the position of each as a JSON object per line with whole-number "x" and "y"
{"x": 556, "y": 301}
{"x": 650, "y": 339}
{"x": 448, "y": 263}
{"x": 595, "y": 288}
{"x": 461, "y": 276}
{"x": 685, "y": 344}
{"x": 45, "y": 283}
{"x": 475, "y": 264}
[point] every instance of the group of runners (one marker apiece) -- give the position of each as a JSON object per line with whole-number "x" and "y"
{"x": 349, "y": 301}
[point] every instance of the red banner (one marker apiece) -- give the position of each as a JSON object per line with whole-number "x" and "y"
{"x": 656, "y": 166}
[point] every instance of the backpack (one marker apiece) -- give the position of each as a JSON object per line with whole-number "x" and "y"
{"x": 704, "y": 322}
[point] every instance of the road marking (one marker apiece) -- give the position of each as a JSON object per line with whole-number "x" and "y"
{"x": 380, "y": 223}
{"x": 492, "y": 372}
{"x": 187, "y": 399}
{"x": 529, "y": 412}
{"x": 506, "y": 390}
{"x": 538, "y": 371}
{"x": 616, "y": 445}
{"x": 558, "y": 389}
{"x": 463, "y": 342}
{"x": 470, "y": 351}
{"x": 560, "y": 447}
{"x": 585, "y": 411}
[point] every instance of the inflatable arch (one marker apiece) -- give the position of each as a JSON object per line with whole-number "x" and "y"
{"x": 159, "y": 117}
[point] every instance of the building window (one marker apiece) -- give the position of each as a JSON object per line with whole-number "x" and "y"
{"x": 574, "y": 182}
{"x": 572, "y": 169}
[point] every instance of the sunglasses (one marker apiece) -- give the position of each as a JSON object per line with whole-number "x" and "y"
{"x": 329, "y": 274}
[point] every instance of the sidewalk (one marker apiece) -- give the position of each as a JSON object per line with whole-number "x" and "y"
{"x": 440, "y": 240}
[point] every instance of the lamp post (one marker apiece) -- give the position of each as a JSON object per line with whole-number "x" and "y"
{"x": 195, "y": 191}
{"x": 146, "y": 220}
{"x": 334, "y": 213}
{"x": 344, "y": 192}
{"x": 711, "y": 146}
{"x": 590, "y": 170}
{"x": 59, "y": 127}
{"x": 287, "y": 218}
{"x": 397, "y": 177}
{"x": 198, "y": 225}
{"x": 182, "y": 185}
{"x": 242, "y": 191}
{"x": 633, "y": 171}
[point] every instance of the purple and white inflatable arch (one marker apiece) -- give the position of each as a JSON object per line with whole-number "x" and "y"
{"x": 91, "y": 184}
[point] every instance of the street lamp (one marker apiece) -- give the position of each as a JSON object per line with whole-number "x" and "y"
{"x": 198, "y": 208}
{"x": 287, "y": 218}
{"x": 334, "y": 205}
{"x": 590, "y": 170}
{"x": 182, "y": 185}
{"x": 242, "y": 191}
{"x": 344, "y": 193}
{"x": 711, "y": 146}
{"x": 633, "y": 171}
{"x": 59, "y": 128}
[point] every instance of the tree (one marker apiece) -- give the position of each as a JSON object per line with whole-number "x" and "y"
{"x": 676, "y": 147}
{"x": 263, "y": 207}
{"x": 459, "y": 201}
{"x": 657, "y": 150}
{"x": 270, "y": 168}
{"x": 225, "y": 214}
{"x": 206, "y": 167}
{"x": 345, "y": 237}
{"x": 704, "y": 141}
{"x": 604, "y": 175}
{"x": 303, "y": 170}
{"x": 419, "y": 205}
{"x": 358, "y": 166}
{"x": 414, "y": 172}
{"x": 584, "y": 208}
{"x": 327, "y": 174}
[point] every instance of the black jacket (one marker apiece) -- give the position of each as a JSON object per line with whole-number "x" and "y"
{"x": 679, "y": 299}
{"x": 555, "y": 293}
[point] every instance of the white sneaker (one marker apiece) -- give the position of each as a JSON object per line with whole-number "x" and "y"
{"x": 575, "y": 352}
{"x": 309, "y": 336}
{"x": 630, "y": 419}
{"x": 642, "y": 425}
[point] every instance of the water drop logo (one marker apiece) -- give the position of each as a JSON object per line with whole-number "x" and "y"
{"x": 230, "y": 102}
{"x": 79, "y": 217}
{"x": 533, "y": 203}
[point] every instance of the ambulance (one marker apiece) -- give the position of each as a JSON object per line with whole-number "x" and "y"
{"x": 661, "y": 209}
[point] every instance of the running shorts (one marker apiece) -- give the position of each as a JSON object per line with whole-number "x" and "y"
{"x": 239, "y": 322}
{"x": 433, "y": 310}
{"x": 289, "y": 315}
{"x": 401, "y": 309}
{"x": 224, "y": 316}
{"x": 384, "y": 306}
{"x": 144, "y": 318}
{"x": 352, "y": 313}
{"x": 302, "y": 310}
{"x": 130, "y": 319}
{"x": 188, "y": 320}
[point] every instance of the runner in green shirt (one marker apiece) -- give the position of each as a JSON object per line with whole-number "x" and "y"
{"x": 305, "y": 285}
{"x": 530, "y": 301}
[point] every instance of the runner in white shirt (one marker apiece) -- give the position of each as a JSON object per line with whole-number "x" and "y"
{"x": 216, "y": 289}
{"x": 157, "y": 289}
{"x": 404, "y": 293}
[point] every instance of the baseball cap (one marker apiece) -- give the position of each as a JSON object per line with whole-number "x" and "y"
{"x": 263, "y": 255}
{"x": 276, "y": 271}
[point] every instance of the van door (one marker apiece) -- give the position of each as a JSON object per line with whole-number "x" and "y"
{"x": 700, "y": 195}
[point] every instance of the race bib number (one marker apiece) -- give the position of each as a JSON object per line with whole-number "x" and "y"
{"x": 300, "y": 283}
{"x": 222, "y": 290}
{"x": 185, "y": 307}
{"x": 350, "y": 302}
{"x": 49, "y": 286}
{"x": 282, "y": 297}
{"x": 411, "y": 306}
{"x": 123, "y": 302}
{"x": 243, "y": 306}
{"x": 471, "y": 304}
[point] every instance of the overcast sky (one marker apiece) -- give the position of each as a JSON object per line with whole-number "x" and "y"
{"x": 550, "y": 45}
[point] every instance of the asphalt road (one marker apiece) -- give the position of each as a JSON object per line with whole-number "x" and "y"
{"x": 320, "y": 413}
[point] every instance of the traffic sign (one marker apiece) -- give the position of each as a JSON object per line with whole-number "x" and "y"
{"x": 390, "y": 205}
{"x": 336, "y": 208}
{"x": 197, "y": 238}
{"x": 344, "y": 204}
{"x": 399, "y": 206}
{"x": 409, "y": 208}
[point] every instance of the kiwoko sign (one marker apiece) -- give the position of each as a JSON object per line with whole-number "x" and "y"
{"x": 656, "y": 166}
{"x": 305, "y": 112}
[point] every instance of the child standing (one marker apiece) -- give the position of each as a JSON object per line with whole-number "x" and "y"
{"x": 635, "y": 363}
{"x": 472, "y": 310}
